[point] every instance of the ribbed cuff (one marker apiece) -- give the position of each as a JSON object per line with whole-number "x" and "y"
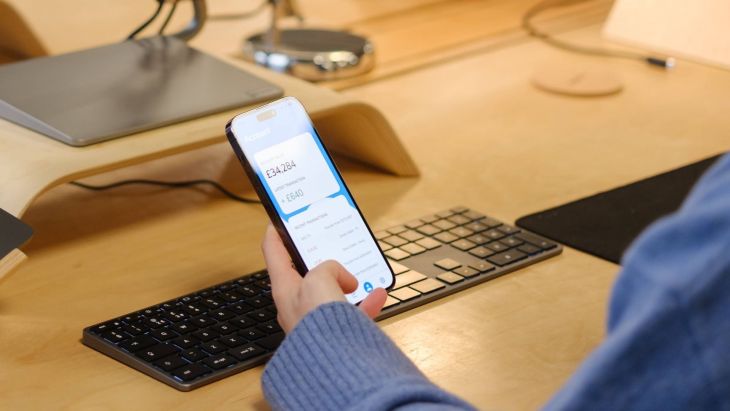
{"x": 334, "y": 358}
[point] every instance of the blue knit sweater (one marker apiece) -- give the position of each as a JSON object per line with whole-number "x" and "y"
{"x": 667, "y": 345}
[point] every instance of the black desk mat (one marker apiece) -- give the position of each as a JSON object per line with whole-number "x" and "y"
{"x": 606, "y": 223}
{"x": 13, "y": 233}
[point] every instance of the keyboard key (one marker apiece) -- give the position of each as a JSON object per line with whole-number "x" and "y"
{"x": 219, "y": 361}
{"x": 213, "y": 302}
{"x": 395, "y": 241}
{"x": 473, "y": 215}
{"x": 481, "y": 252}
{"x": 194, "y": 309}
{"x": 163, "y": 334}
{"x": 466, "y": 272}
{"x": 463, "y": 245}
{"x": 445, "y": 237}
{"x": 414, "y": 224}
{"x": 271, "y": 327}
{"x": 116, "y": 336}
{"x": 449, "y": 277}
{"x": 408, "y": 278}
{"x": 507, "y": 257}
{"x": 185, "y": 342}
{"x": 171, "y": 362}
{"x": 134, "y": 329}
{"x": 494, "y": 234}
{"x": 205, "y": 335}
{"x": 156, "y": 352}
{"x": 405, "y": 294}
{"x": 379, "y": 235}
{"x": 430, "y": 218}
{"x": 232, "y": 340}
{"x": 193, "y": 354}
{"x": 138, "y": 343}
{"x": 428, "y": 230}
{"x": 390, "y": 301}
{"x": 496, "y": 246}
{"x": 461, "y": 232}
{"x": 271, "y": 342}
{"x": 252, "y": 333}
{"x": 183, "y": 328}
{"x": 413, "y": 248}
{"x": 482, "y": 267}
{"x": 243, "y": 322}
{"x": 447, "y": 264}
{"x": 477, "y": 227}
{"x": 397, "y": 254}
{"x": 445, "y": 213}
{"x": 191, "y": 372}
{"x": 536, "y": 240}
{"x": 176, "y": 315}
{"x": 511, "y": 241}
{"x": 240, "y": 308}
{"x": 508, "y": 229}
{"x": 444, "y": 224}
{"x": 529, "y": 249}
{"x": 213, "y": 347}
{"x": 397, "y": 229}
{"x": 397, "y": 267}
{"x": 384, "y": 246}
{"x": 224, "y": 328}
{"x": 222, "y": 314}
{"x": 231, "y": 297}
{"x": 264, "y": 284}
{"x": 490, "y": 222}
{"x": 411, "y": 235}
{"x": 262, "y": 315}
{"x": 246, "y": 352}
{"x": 479, "y": 239}
{"x": 428, "y": 286}
{"x": 155, "y": 322}
{"x": 428, "y": 243}
{"x": 459, "y": 219}
{"x": 107, "y": 326}
{"x": 202, "y": 321}
{"x": 248, "y": 290}
{"x": 460, "y": 209}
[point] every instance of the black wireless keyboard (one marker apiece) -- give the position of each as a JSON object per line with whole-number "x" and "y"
{"x": 210, "y": 334}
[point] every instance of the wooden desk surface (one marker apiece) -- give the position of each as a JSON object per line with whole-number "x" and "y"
{"x": 483, "y": 137}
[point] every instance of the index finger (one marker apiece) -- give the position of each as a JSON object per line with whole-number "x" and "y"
{"x": 278, "y": 262}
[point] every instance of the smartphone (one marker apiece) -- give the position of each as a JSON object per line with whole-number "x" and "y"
{"x": 305, "y": 195}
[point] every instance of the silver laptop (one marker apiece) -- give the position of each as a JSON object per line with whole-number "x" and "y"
{"x": 94, "y": 95}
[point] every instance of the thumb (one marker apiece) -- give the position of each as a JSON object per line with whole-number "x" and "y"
{"x": 373, "y": 303}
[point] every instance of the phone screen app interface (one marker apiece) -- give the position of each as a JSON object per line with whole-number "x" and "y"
{"x": 311, "y": 199}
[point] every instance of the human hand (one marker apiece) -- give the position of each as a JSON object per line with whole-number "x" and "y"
{"x": 295, "y": 296}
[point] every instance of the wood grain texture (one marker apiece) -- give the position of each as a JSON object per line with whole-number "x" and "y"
{"x": 11, "y": 262}
{"x": 482, "y": 135}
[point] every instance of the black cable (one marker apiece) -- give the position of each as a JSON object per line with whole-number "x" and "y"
{"x": 168, "y": 18}
{"x": 244, "y": 15}
{"x": 147, "y": 23}
{"x": 170, "y": 184}
{"x": 577, "y": 48}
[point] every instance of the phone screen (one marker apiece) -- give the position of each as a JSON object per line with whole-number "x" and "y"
{"x": 305, "y": 189}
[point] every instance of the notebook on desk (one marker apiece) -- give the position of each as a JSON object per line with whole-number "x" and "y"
{"x": 106, "y": 92}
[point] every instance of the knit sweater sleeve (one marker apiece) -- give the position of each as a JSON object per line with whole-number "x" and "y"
{"x": 338, "y": 359}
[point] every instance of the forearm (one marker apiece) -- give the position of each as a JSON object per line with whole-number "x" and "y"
{"x": 336, "y": 358}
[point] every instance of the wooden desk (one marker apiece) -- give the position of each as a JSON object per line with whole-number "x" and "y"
{"x": 502, "y": 147}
